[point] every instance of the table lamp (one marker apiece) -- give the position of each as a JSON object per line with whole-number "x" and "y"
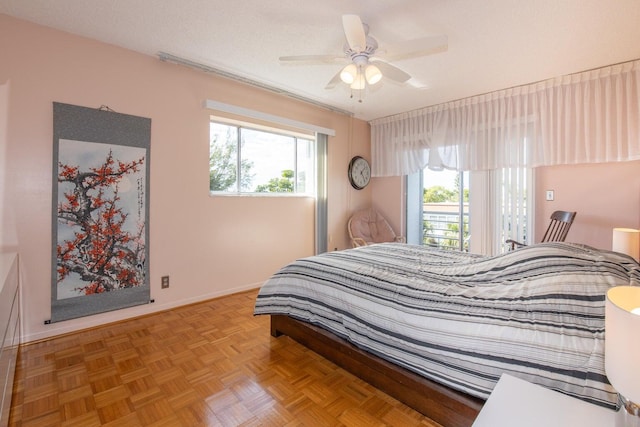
{"x": 622, "y": 350}
{"x": 627, "y": 241}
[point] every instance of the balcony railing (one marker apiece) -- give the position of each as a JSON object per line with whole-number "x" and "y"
{"x": 441, "y": 228}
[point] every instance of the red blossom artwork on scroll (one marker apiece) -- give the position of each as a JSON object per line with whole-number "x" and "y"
{"x": 101, "y": 245}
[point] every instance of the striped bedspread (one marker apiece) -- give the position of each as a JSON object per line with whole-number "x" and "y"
{"x": 462, "y": 320}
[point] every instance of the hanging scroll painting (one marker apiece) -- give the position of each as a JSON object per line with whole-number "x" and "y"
{"x": 100, "y": 211}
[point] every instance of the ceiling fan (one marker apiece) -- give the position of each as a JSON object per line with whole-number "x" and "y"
{"x": 364, "y": 66}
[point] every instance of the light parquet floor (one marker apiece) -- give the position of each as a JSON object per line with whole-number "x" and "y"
{"x": 207, "y": 364}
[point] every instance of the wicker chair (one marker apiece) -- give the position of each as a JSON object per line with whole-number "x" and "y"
{"x": 368, "y": 226}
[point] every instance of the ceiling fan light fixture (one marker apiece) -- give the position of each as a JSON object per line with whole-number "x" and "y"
{"x": 373, "y": 74}
{"x": 349, "y": 74}
{"x": 359, "y": 83}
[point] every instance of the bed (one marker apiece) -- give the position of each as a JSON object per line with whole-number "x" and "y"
{"x": 436, "y": 329}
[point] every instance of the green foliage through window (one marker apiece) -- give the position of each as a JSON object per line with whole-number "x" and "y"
{"x": 223, "y": 165}
{"x": 284, "y": 184}
{"x": 444, "y": 213}
{"x": 249, "y": 160}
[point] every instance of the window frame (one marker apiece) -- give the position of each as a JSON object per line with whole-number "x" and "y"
{"x": 296, "y": 135}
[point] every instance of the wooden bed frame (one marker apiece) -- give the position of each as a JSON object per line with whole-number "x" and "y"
{"x": 442, "y": 404}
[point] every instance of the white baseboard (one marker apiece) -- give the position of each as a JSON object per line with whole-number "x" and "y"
{"x": 102, "y": 319}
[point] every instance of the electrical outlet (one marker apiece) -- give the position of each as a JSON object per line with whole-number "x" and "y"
{"x": 165, "y": 282}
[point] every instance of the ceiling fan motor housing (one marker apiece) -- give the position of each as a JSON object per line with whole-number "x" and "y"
{"x": 369, "y": 50}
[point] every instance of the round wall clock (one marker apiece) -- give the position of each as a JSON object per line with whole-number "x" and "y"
{"x": 359, "y": 172}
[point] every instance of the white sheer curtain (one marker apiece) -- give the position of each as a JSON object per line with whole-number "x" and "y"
{"x": 587, "y": 117}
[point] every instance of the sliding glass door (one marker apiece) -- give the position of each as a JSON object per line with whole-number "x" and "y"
{"x": 445, "y": 209}
{"x": 470, "y": 211}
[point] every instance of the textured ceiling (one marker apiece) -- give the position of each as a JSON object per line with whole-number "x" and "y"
{"x": 493, "y": 44}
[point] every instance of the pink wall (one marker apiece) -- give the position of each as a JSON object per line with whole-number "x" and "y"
{"x": 210, "y": 246}
{"x": 604, "y": 196}
{"x": 344, "y": 194}
{"x": 389, "y": 198}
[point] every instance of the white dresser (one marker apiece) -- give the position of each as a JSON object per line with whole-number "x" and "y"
{"x": 9, "y": 330}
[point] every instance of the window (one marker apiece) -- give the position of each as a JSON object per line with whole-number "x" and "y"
{"x": 445, "y": 209}
{"x": 246, "y": 158}
{"x": 438, "y": 207}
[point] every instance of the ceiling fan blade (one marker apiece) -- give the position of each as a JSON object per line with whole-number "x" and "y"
{"x": 392, "y": 72}
{"x": 334, "y": 81}
{"x": 322, "y": 59}
{"x": 354, "y": 31}
{"x": 415, "y": 48}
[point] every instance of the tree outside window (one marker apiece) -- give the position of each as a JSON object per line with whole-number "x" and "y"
{"x": 442, "y": 211}
{"x": 246, "y": 160}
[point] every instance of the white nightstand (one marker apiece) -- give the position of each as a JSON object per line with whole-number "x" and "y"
{"x": 515, "y": 402}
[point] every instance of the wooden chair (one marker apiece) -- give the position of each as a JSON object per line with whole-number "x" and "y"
{"x": 368, "y": 226}
{"x": 556, "y": 232}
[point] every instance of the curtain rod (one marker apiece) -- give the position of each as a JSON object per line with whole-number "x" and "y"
{"x": 167, "y": 57}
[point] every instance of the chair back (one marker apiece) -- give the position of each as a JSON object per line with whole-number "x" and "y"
{"x": 559, "y": 226}
{"x": 368, "y": 226}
